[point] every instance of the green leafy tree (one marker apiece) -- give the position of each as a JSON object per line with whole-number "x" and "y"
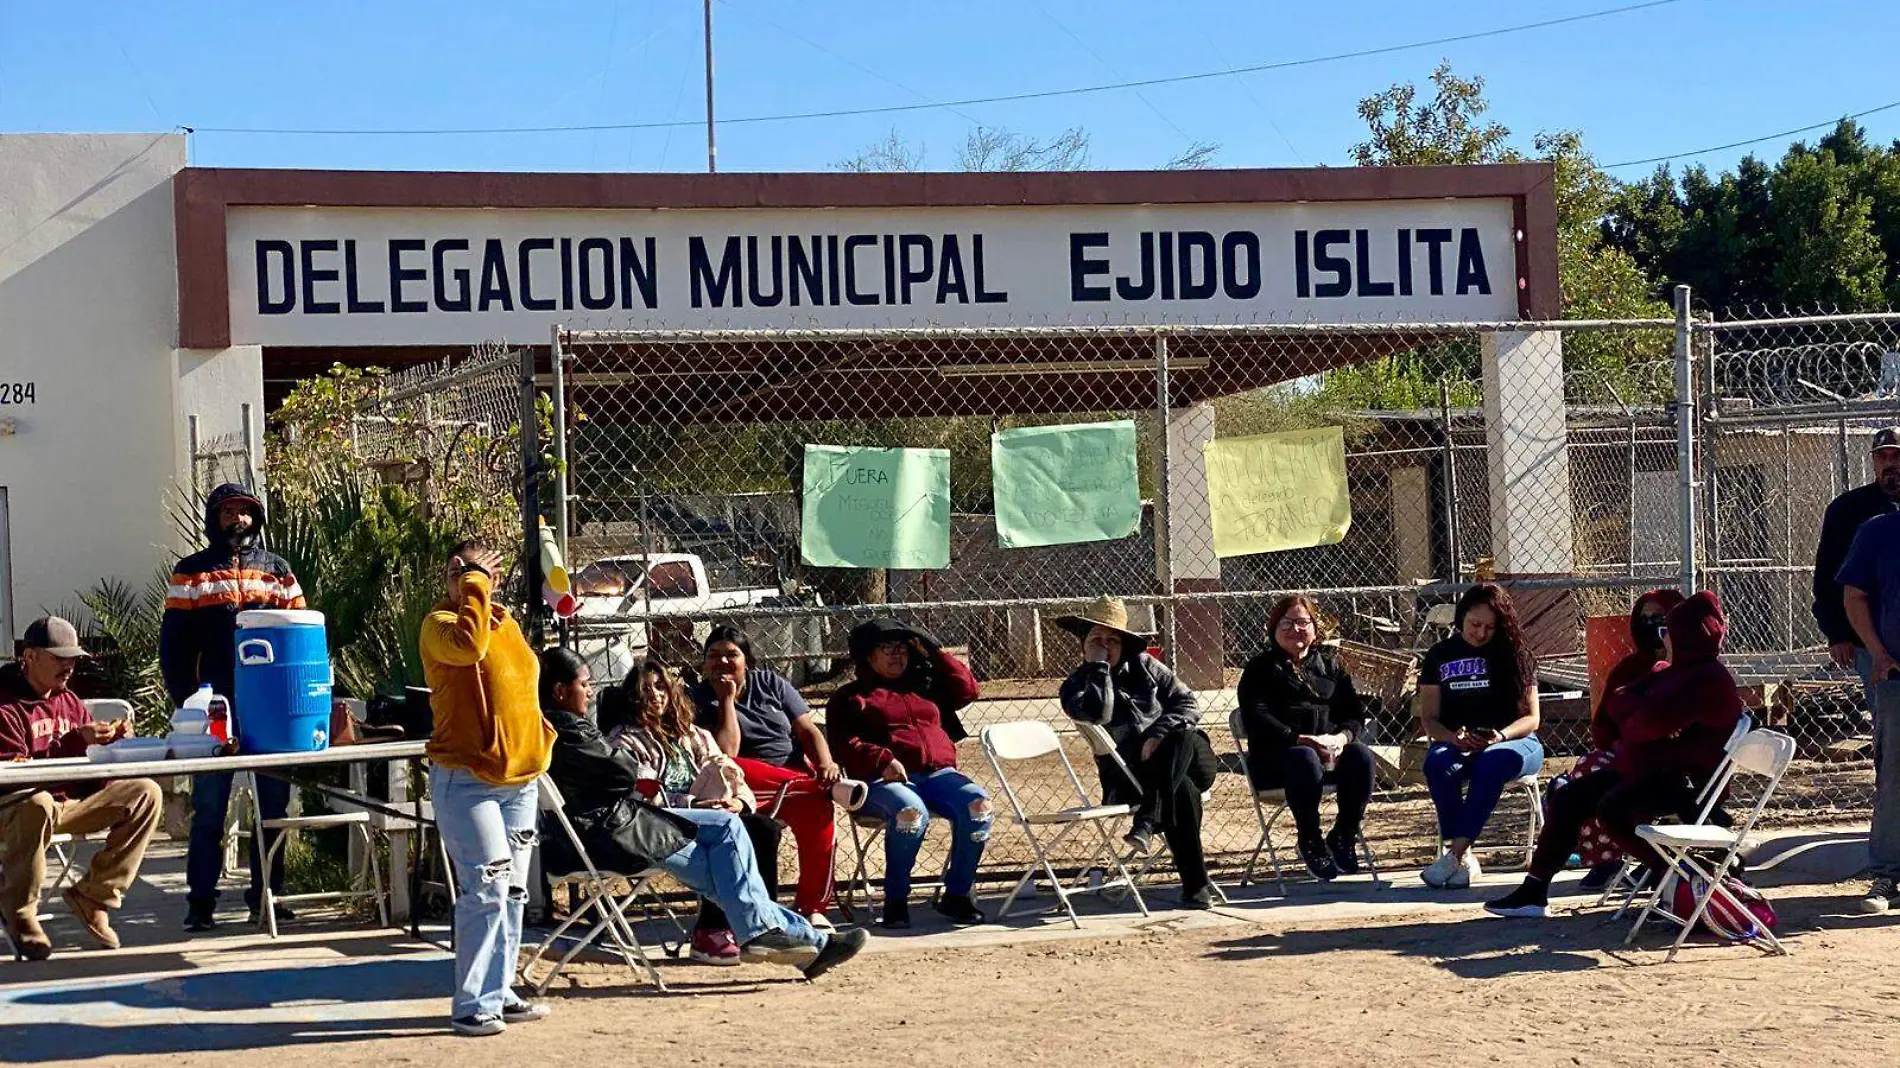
{"x": 1598, "y": 279}
{"x": 1830, "y": 256}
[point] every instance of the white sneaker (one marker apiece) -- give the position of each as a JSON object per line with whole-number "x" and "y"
{"x": 1440, "y": 871}
{"x": 522, "y": 1010}
{"x": 1879, "y": 899}
{"x": 1460, "y": 879}
{"x": 821, "y": 922}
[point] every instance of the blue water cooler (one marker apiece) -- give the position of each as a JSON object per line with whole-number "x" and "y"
{"x": 283, "y": 682}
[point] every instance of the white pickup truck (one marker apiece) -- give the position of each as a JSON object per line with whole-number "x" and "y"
{"x": 675, "y": 585}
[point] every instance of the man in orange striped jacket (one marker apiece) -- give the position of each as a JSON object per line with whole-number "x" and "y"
{"x": 196, "y": 646}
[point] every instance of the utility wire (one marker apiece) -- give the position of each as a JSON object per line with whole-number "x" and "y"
{"x": 1045, "y": 94}
{"x": 1753, "y": 140}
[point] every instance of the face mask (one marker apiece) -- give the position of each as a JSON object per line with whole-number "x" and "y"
{"x": 1649, "y": 633}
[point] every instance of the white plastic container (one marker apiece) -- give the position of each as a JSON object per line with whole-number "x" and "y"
{"x": 209, "y": 707}
{"x": 128, "y": 749}
{"x": 191, "y": 746}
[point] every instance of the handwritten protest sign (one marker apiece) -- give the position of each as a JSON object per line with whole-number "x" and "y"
{"x": 869, "y": 507}
{"x": 1278, "y": 491}
{"x": 1060, "y": 484}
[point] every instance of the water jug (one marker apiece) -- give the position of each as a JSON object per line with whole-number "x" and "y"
{"x": 283, "y": 682}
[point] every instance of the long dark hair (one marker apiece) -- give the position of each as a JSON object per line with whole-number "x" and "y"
{"x": 559, "y": 667}
{"x": 671, "y": 723}
{"x": 1512, "y": 655}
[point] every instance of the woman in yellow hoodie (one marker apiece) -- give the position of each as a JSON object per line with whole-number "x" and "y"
{"x": 489, "y": 747}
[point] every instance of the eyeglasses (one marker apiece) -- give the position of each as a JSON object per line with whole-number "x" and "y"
{"x": 1296, "y": 623}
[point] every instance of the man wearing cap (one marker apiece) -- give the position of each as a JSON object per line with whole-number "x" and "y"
{"x": 40, "y": 718}
{"x": 1869, "y": 580}
{"x": 1155, "y": 722}
{"x": 197, "y": 645}
{"x": 1845, "y": 514}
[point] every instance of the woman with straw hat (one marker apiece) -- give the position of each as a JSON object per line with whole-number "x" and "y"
{"x": 1155, "y": 723}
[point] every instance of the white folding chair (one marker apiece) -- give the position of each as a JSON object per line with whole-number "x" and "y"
{"x": 592, "y": 898}
{"x": 1011, "y": 743}
{"x": 1625, "y": 880}
{"x": 359, "y": 823}
{"x": 1766, "y": 754}
{"x": 1277, "y": 798}
{"x": 1103, "y": 746}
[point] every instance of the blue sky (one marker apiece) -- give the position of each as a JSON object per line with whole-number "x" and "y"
{"x": 1688, "y": 75}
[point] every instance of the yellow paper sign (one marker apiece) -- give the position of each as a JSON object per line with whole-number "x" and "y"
{"x": 1278, "y": 491}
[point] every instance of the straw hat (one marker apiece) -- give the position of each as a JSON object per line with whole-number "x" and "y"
{"x": 1107, "y": 612}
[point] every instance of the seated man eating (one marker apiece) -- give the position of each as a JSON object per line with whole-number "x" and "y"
{"x": 704, "y": 848}
{"x": 40, "y": 719}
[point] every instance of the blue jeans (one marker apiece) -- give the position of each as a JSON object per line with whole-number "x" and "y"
{"x": 1883, "y": 836}
{"x": 204, "y": 851}
{"x": 950, "y": 794}
{"x": 1466, "y": 786}
{"x": 719, "y": 863}
{"x": 489, "y": 832}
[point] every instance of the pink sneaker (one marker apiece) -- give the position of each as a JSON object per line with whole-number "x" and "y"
{"x": 717, "y": 948}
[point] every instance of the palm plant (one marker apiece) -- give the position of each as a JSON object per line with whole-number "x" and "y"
{"x": 128, "y": 617}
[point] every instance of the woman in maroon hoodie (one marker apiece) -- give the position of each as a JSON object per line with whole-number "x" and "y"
{"x": 896, "y": 727}
{"x": 1675, "y": 724}
{"x": 1599, "y": 852}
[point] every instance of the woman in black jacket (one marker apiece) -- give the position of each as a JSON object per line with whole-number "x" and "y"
{"x": 1155, "y": 722}
{"x": 705, "y": 849}
{"x": 1302, "y": 718}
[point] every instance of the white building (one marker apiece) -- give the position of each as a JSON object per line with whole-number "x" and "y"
{"x": 145, "y": 304}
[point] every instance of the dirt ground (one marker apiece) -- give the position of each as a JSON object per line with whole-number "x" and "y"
{"x": 1408, "y": 989}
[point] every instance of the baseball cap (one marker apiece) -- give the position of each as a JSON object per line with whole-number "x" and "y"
{"x": 56, "y": 636}
{"x": 1887, "y": 437}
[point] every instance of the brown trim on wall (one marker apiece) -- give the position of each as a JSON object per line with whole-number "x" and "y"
{"x": 204, "y": 195}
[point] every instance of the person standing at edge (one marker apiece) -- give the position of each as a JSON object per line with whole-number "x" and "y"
{"x": 1870, "y": 586}
{"x": 489, "y": 748}
{"x": 1845, "y": 515}
{"x": 196, "y": 645}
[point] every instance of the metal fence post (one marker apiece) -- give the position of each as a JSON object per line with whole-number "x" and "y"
{"x": 557, "y": 358}
{"x": 531, "y": 497}
{"x": 1164, "y": 511}
{"x": 1685, "y": 438}
{"x": 1451, "y": 481}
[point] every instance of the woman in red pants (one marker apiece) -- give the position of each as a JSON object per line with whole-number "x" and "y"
{"x": 758, "y": 718}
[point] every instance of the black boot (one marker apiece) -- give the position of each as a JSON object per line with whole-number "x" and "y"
{"x": 1319, "y": 859}
{"x": 1531, "y": 900}
{"x": 896, "y": 915}
{"x": 961, "y": 910}
{"x": 201, "y": 916}
{"x": 1345, "y": 851}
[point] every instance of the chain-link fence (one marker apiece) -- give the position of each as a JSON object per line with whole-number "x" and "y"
{"x": 685, "y": 474}
{"x": 1551, "y": 455}
{"x": 1791, "y": 407}
{"x": 448, "y": 433}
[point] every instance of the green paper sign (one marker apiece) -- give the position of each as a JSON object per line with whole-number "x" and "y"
{"x": 1056, "y": 485}
{"x": 868, "y": 507}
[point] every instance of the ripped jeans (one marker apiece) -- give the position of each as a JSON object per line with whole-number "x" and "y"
{"x": 906, "y": 809}
{"x": 489, "y": 832}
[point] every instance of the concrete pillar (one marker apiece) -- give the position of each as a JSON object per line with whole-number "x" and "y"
{"x": 1412, "y": 523}
{"x": 1531, "y": 518}
{"x": 1024, "y": 631}
{"x": 1189, "y": 541}
{"x": 1531, "y": 513}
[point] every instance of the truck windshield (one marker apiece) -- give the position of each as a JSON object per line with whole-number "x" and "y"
{"x": 609, "y": 578}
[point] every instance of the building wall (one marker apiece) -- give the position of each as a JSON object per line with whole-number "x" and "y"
{"x": 88, "y": 299}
